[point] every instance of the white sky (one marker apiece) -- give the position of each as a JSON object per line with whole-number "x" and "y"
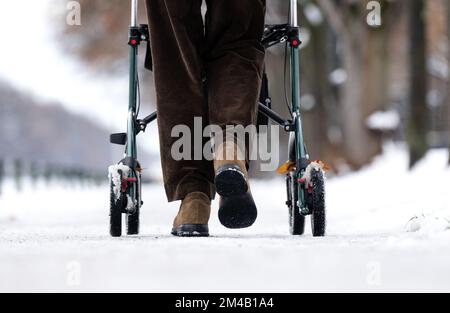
{"x": 35, "y": 65}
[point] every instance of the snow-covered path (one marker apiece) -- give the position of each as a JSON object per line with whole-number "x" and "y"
{"x": 57, "y": 239}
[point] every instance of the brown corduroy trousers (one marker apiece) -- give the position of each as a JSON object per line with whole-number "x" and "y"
{"x": 210, "y": 70}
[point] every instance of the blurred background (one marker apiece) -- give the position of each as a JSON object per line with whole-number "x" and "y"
{"x": 63, "y": 88}
{"x": 375, "y": 98}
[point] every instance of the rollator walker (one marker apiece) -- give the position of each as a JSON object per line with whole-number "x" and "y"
{"x": 305, "y": 187}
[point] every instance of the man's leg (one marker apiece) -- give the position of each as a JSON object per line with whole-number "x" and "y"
{"x": 176, "y": 31}
{"x": 235, "y": 60}
{"x": 234, "y": 64}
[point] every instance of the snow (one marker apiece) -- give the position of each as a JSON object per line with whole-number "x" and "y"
{"x": 308, "y": 102}
{"x": 437, "y": 66}
{"x": 428, "y": 224}
{"x": 116, "y": 172}
{"x": 56, "y": 239}
{"x": 384, "y": 120}
{"x": 388, "y": 228}
{"x": 313, "y": 166}
{"x": 305, "y": 37}
{"x": 313, "y": 14}
{"x": 338, "y": 77}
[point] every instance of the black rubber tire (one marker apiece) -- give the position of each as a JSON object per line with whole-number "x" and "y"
{"x": 318, "y": 216}
{"x": 133, "y": 223}
{"x": 297, "y": 223}
{"x": 296, "y": 220}
{"x": 132, "y": 220}
{"x": 115, "y": 213}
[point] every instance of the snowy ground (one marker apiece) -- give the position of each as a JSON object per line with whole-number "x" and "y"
{"x": 57, "y": 239}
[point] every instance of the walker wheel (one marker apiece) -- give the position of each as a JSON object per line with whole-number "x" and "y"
{"x": 296, "y": 220}
{"x": 132, "y": 219}
{"x": 318, "y": 216}
{"x": 115, "y": 213}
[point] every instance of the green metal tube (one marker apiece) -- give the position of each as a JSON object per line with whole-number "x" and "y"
{"x": 296, "y": 108}
{"x": 296, "y": 103}
{"x": 132, "y": 102}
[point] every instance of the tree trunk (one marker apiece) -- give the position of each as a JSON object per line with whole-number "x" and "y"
{"x": 448, "y": 79}
{"x": 359, "y": 143}
{"x": 418, "y": 115}
{"x": 314, "y": 82}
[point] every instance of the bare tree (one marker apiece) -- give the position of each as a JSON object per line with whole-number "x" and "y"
{"x": 363, "y": 54}
{"x": 417, "y": 120}
{"x": 317, "y": 60}
{"x": 448, "y": 79}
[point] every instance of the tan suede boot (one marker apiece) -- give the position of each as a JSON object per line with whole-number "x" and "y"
{"x": 237, "y": 208}
{"x": 192, "y": 219}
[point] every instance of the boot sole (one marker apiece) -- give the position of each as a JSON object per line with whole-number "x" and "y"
{"x": 191, "y": 230}
{"x": 230, "y": 181}
{"x": 238, "y": 212}
{"x": 237, "y": 208}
